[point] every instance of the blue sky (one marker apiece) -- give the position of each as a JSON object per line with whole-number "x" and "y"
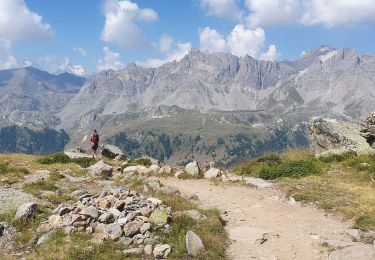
{"x": 102, "y": 34}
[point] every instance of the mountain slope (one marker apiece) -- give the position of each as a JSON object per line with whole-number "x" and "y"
{"x": 31, "y": 96}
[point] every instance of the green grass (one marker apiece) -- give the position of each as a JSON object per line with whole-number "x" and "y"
{"x": 291, "y": 169}
{"x": 210, "y": 230}
{"x": 12, "y": 174}
{"x": 64, "y": 159}
{"x": 41, "y": 185}
{"x": 334, "y": 158}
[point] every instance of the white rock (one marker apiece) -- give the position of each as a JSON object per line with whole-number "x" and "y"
{"x": 154, "y": 168}
{"x": 194, "y": 244}
{"x": 192, "y": 168}
{"x": 25, "y": 211}
{"x": 155, "y": 201}
{"x": 131, "y": 169}
{"x": 354, "y": 234}
{"x": 162, "y": 251}
{"x": 212, "y": 173}
{"x": 100, "y": 169}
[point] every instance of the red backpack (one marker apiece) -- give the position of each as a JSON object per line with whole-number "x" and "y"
{"x": 95, "y": 138}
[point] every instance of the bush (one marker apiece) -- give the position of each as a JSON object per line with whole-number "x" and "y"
{"x": 270, "y": 159}
{"x": 292, "y": 169}
{"x": 143, "y": 161}
{"x": 337, "y": 157}
{"x": 64, "y": 159}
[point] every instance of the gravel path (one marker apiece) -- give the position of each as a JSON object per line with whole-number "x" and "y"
{"x": 11, "y": 198}
{"x": 262, "y": 225}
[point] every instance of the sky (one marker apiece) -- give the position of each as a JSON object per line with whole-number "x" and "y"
{"x": 86, "y": 36}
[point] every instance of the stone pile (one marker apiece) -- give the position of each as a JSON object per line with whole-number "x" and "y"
{"x": 368, "y": 129}
{"x": 118, "y": 215}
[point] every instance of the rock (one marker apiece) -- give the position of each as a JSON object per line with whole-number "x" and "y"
{"x": 212, "y": 165}
{"x": 134, "y": 251}
{"x": 148, "y": 250}
{"x": 44, "y": 238}
{"x": 257, "y": 182}
{"x": 143, "y": 170}
{"x": 170, "y": 190}
{"x": 145, "y": 227}
{"x": 111, "y": 151}
{"x": 106, "y": 217}
{"x": 115, "y": 212}
{"x": 354, "y": 234}
{"x": 161, "y": 251}
{"x": 152, "y": 183}
{"x": 247, "y": 234}
{"x": 126, "y": 241}
{"x": 131, "y": 169}
{"x": 132, "y": 228}
{"x": 192, "y": 168}
{"x": 194, "y": 244}
{"x": 165, "y": 170}
{"x": 368, "y": 129}
{"x": 330, "y": 136}
{"x": 114, "y": 231}
{"x": 155, "y": 201}
{"x": 91, "y": 212}
{"x": 364, "y": 166}
{"x": 178, "y": 173}
{"x": 25, "y": 211}
{"x": 77, "y": 152}
{"x": 100, "y": 169}
{"x": 212, "y": 173}
{"x": 104, "y": 204}
{"x": 159, "y": 216}
{"x": 357, "y": 252}
{"x": 154, "y": 168}
{"x": 195, "y": 214}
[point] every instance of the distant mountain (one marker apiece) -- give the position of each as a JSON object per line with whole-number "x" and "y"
{"x": 33, "y": 97}
{"x": 339, "y": 81}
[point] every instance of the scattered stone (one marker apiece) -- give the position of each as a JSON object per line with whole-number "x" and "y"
{"x": 161, "y": 251}
{"x": 192, "y": 168}
{"x": 112, "y": 152}
{"x": 131, "y": 169}
{"x": 44, "y": 238}
{"x": 195, "y": 214}
{"x": 154, "y": 168}
{"x": 100, "y": 169}
{"x": 194, "y": 244}
{"x": 357, "y": 252}
{"x": 178, "y": 173}
{"x": 145, "y": 227}
{"x": 148, "y": 250}
{"x": 212, "y": 173}
{"x": 114, "y": 231}
{"x": 159, "y": 216}
{"x": 354, "y": 234}
{"x": 91, "y": 211}
{"x": 25, "y": 211}
{"x": 106, "y": 217}
{"x": 132, "y": 228}
{"x": 167, "y": 170}
{"x": 155, "y": 201}
{"x": 126, "y": 241}
{"x": 134, "y": 251}
{"x": 152, "y": 183}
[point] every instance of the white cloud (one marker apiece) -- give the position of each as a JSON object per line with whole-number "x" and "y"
{"x": 165, "y": 43}
{"x": 54, "y": 65}
{"x": 176, "y": 54}
{"x": 121, "y": 17}
{"x": 17, "y": 22}
{"x": 111, "y": 60}
{"x": 270, "y": 55}
{"x": 222, "y": 8}
{"x": 80, "y": 50}
{"x": 273, "y": 12}
{"x": 7, "y": 60}
{"x": 336, "y": 12}
{"x": 309, "y": 12}
{"x": 240, "y": 42}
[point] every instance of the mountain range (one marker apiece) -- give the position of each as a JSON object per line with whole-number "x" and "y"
{"x": 231, "y": 92}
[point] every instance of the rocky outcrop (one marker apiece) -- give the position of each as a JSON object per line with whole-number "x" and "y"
{"x": 368, "y": 129}
{"x": 330, "y": 136}
{"x": 112, "y": 152}
{"x": 77, "y": 152}
{"x": 25, "y": 211}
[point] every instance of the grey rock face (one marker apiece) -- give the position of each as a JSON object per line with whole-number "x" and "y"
{"x": 194, "y": 244}
{"x": 25, "y": 211}
{"x": 332, "y": 136}
{"x": 112, "y": 152}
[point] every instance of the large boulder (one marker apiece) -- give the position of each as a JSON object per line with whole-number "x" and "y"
{"x": 100, "y": 169}
{"x": 25, "y": 211}
{"x": 368, "y": 129}
{"x": 192, "y": 168}
{"x": 194, "y": 244}
{"x": 331, "y": 136}
{"x": 77, "y": 152}
{"x": 112, "y": 152}
{"x": 357, "y": 252}
{"x": 212, "y": 173}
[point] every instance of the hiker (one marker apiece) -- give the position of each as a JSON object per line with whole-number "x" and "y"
{"x": 94, "y": 140}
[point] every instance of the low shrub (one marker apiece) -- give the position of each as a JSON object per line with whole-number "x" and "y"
{"x": 142, "y": 161}
{"x": 292, "y": 169}
{"x": 64, "y": 159}
{"x": 270, "y": 159}
{"x": 331, "y": 158}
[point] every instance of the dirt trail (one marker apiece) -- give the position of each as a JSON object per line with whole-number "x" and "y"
{"x": 262, "y": 225}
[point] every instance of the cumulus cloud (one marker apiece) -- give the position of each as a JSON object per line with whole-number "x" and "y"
{"x": 121, "y": 17}
{"x": 55, "y": 65}
{"x": 111, "y": 60}
{"x": 240, "y": 41}
{"x": 222, "y": 8}
{"x": 165, "y": 43}
{"x": 80, "y": 51}
{"x": 175, "y": 53}
{"x": 17, "y": 22}
{"x": 7, "y": 60}
{"x": 309, "y": 12}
